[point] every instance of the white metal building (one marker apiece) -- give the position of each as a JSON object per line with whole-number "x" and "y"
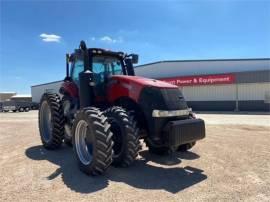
{"x": 236, "y": 84}
{"x": 38, "y": 90}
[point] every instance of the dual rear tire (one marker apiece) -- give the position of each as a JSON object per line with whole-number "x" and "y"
{"x": 92, "y": 141}
{"x": 101, "y": 139}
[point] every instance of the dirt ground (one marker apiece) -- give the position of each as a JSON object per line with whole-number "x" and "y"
{"x": 231, "y": 164}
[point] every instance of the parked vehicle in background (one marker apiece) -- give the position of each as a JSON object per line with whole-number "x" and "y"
{"x": 34, "y": 105}
{"x": 16, "y": 106}
{"x": 1, "y": 106}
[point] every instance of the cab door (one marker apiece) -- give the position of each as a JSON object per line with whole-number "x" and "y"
{"x": 76, "y": 68}
{"x": 104, "y": 67}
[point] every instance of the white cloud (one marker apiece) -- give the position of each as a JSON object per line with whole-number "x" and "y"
{"x": 109, "y": 39}
{"x": 106, "y": 39}
{"x": 93, "y": 38}
{"x": 50, "y": 37}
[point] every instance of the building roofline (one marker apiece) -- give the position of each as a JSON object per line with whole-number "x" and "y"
{"x": 22, "y": 96}
{"x": 203, "y": 60}
{"x": 46, "y": 83}
{"x": 7, "y": 92}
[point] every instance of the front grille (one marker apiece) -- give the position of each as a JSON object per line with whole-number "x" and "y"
{"x": 174, "y": 99}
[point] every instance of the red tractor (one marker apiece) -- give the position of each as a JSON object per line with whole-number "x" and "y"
{"x": 103, "y": 110}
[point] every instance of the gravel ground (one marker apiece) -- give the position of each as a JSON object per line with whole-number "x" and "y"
{"x": 231, "y": 164}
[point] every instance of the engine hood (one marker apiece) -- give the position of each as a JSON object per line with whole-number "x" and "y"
{"x": 143, "y": 81}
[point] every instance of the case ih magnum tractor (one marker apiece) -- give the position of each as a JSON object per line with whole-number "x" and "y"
{"x": 104, "y": 109}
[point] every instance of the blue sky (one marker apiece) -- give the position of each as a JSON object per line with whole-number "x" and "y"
{"x": 36, "y": 35}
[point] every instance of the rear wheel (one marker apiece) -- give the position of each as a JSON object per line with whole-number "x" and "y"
{"x": 26, "y": 109}
{"x": 92, "y": 141}
{"x": 125, "y": 136}
{"x": 51, "y": 121}
{"x": 21, "y": 109}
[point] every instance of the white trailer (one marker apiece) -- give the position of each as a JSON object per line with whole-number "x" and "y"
{"x": 38, "y": 90}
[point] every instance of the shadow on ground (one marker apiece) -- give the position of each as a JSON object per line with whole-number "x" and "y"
{"x": 141, "y": 175}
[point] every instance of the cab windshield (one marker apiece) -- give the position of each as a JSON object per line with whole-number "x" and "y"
{"x": 105, "y": 66}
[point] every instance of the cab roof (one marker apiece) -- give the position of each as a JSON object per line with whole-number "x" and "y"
{"x": 100, "y": 51}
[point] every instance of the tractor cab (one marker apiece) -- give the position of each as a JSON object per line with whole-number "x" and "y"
{"x": 101, "y": 64}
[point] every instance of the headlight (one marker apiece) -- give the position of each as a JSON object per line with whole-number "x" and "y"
{"x": 164, "y": 113}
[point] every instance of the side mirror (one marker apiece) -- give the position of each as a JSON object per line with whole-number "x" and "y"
{"x": 129, "y": 65}
{"x": 135, "y": 58}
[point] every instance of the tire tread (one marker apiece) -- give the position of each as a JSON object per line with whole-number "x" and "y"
{"x": 55, "y": 104}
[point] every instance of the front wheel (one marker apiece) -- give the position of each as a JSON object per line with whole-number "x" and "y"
{"x": 92, "y": 141}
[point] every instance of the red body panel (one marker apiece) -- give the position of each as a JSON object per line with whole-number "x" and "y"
{"x": 131, "y": 86}
{"x": 120, "y": 86}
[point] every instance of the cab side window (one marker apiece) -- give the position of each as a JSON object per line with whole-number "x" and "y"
{"x": 77, "y": 69}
